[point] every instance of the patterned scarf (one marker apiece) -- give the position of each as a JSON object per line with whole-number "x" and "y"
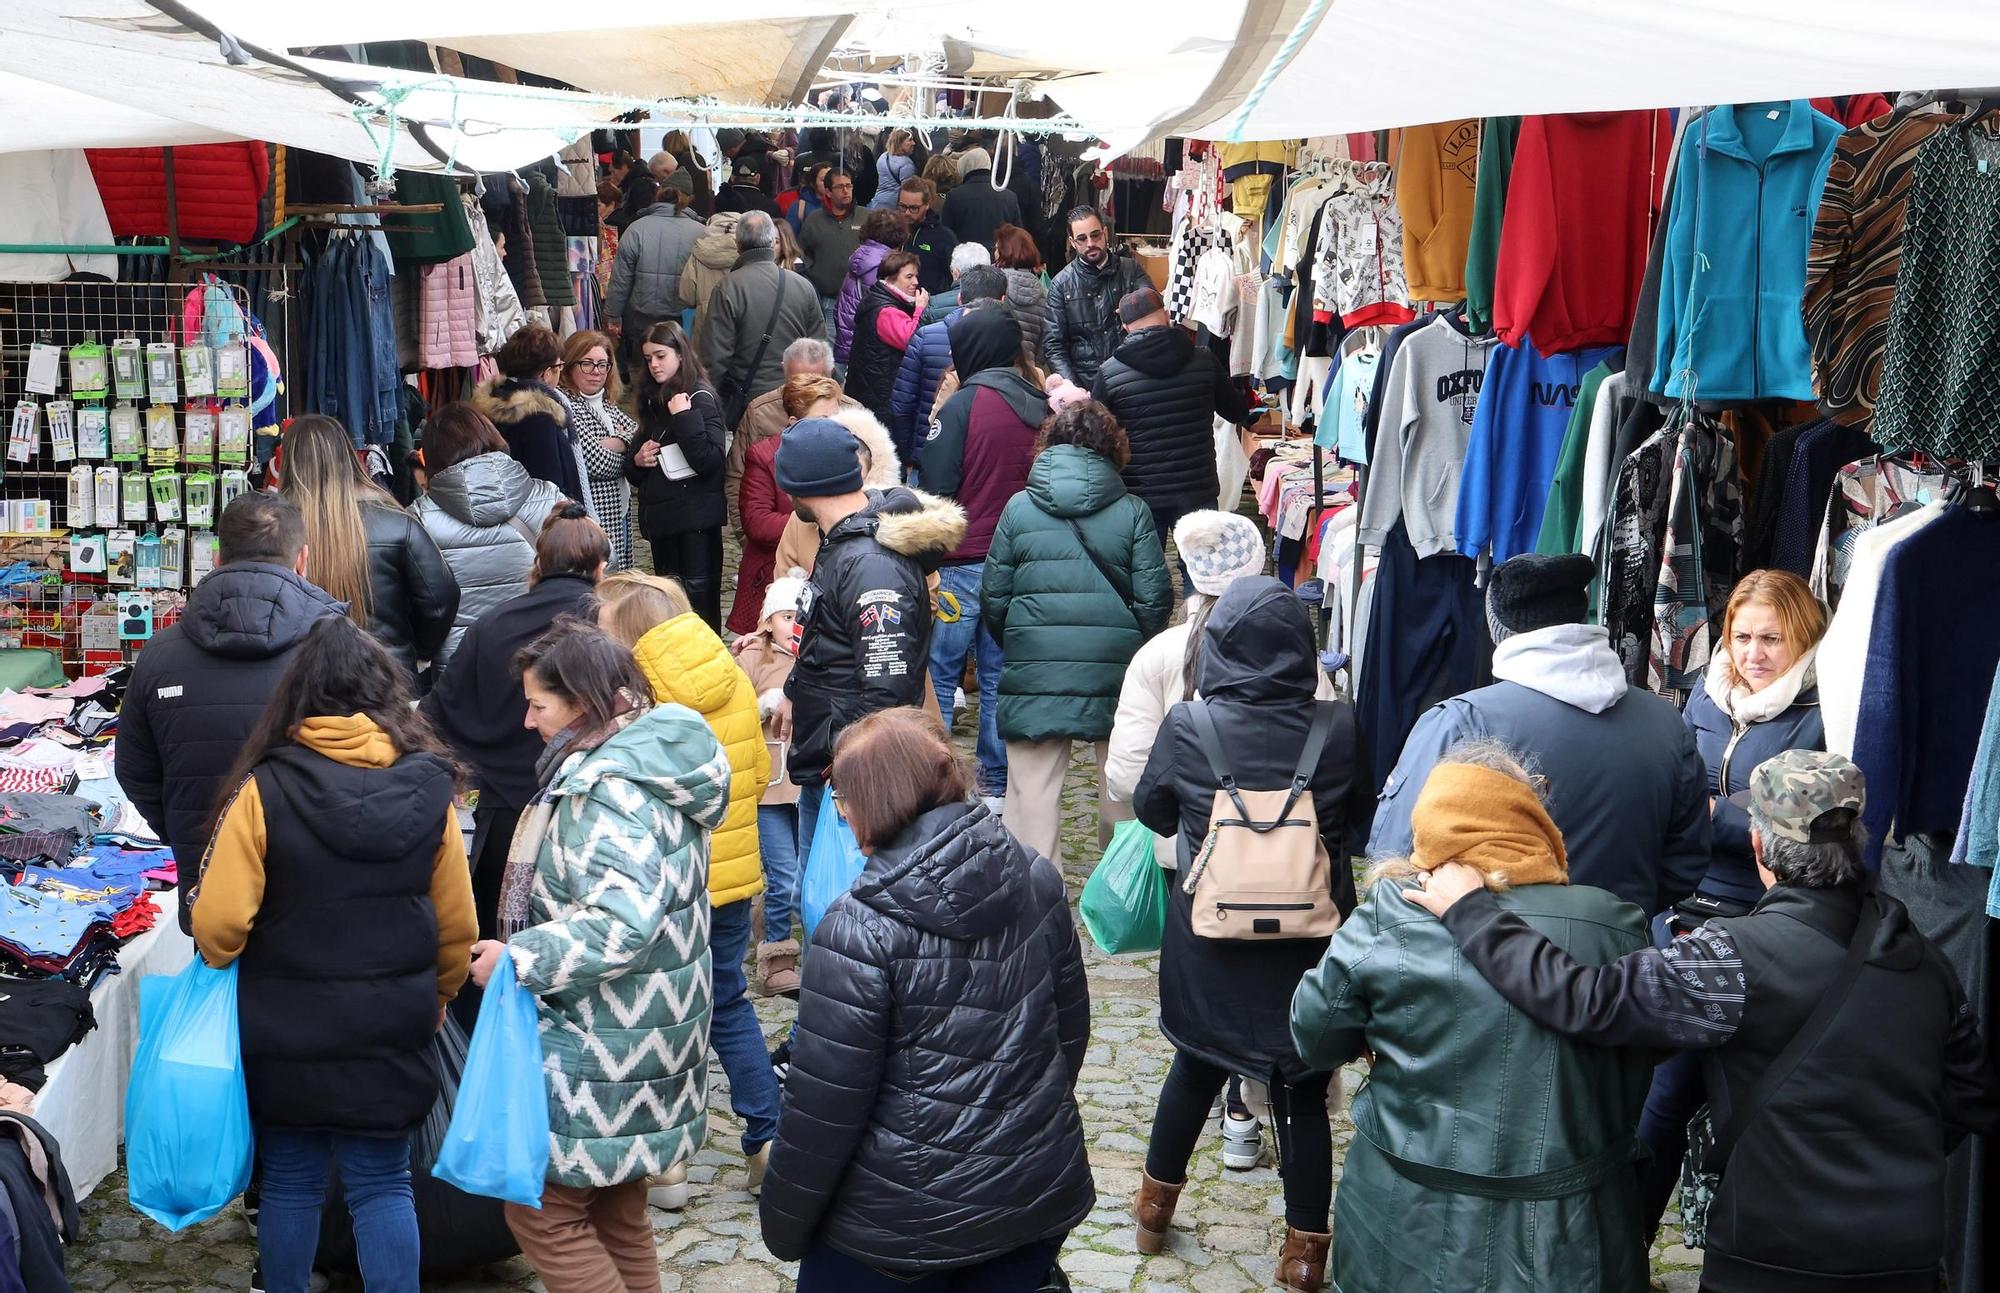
{"x": 517, "y": 883}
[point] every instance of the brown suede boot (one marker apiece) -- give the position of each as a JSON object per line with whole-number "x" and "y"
{"x": 778, "y": 968}
{"x": 1154, "y": 1211}
{"x": 1302, "y": 1261}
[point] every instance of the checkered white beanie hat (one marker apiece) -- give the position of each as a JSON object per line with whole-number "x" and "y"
{"x": 783, "y": 595}
{"x": 1219, "y": 548}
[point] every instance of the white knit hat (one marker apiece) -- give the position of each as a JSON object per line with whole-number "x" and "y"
{"x": 974, "y": 159}
{"x": 1219, "y": 548}
{"x": 782, "y": 595}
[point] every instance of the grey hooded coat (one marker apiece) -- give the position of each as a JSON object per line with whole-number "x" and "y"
{"x": 481, "y": 513}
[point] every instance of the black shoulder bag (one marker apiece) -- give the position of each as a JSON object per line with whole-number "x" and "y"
{"x": 1709, "y": 1147}
{"x": 738, "y": 398}
{"x": 1124, "y": 595}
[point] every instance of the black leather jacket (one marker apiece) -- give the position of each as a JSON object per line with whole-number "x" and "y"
{"x": 930, "y": 1117}
{"x": 412, "y": 596}
{"x": 1082, "y": 327}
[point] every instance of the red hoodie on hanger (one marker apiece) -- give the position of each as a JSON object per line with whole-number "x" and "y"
{"x": 1581, "y": 207}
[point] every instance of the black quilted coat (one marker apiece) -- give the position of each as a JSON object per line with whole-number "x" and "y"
{"x": 1166, "y": 392}
{"x": 930, "y": 1120}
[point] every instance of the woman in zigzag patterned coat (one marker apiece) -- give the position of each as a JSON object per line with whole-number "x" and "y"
{"x": 605, "y": 903}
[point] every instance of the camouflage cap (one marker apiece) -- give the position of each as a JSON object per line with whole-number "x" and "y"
{"x": 1793, "y": 790}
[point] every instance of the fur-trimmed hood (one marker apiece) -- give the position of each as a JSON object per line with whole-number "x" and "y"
{"x": 513, "y": 399}
{"x": 908, "y": 522}
{"x": 885, "y": 469}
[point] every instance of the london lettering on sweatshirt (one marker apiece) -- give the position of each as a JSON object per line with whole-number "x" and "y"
{"x": 1428, "y": 411}
{"x": 1517, "y": 439}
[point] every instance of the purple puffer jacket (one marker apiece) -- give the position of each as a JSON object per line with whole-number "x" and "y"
{"x": 863, "y": 267}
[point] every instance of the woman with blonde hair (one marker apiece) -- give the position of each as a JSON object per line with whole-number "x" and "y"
{"x": 604, "y": 434}
{"x": 1489, "y": 1152}
{"x": 363, "y": 548}
{"x": 683, "y": 661}
{"x": 892, "y": 168}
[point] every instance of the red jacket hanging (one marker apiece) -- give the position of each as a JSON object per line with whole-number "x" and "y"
{"x": 217, "y": 190}
{"x": 1581, "y": 206}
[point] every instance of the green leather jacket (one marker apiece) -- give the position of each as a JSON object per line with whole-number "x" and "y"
{"x": 1489, "y": 1153}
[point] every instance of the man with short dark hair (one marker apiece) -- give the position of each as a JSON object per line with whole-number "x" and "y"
{"x": 1842, "y": 1061}
{"x": 745, "y": 192}
{"x": 828, "y": 238}
{"x": 200, "y": 685}
{"x": 928, "y": 358}
{"x": 1081, "y": 329}
{"x": 929, "y": 240}
{"x": 1167, "y": 392}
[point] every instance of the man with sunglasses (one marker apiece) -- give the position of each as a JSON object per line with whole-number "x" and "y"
{"x": 929, "y": 241}
{"x": 1082, "y": 327}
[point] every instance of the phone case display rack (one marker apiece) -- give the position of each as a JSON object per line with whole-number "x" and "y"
{"x": 111, "y": 480}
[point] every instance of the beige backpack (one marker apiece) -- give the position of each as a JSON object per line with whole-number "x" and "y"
{"x": 1263, "y": 871}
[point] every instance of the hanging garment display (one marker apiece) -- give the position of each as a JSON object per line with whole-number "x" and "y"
{"x": 1517, "y": 436}
{"x": 1428, "y": 410}
{"x": 1842, "y": 660}
{"x": 1866, "y": 493}
{"x": 1581, "y": 201}
{"x": 1698, "y": 560}
{"x": 1855, "y": 254}
{"x": 1941, "y": 365}
{"x": 551, "y": 253}
{"x": 1497, "y": 136}
{"x": 1744, "y": 193}
{"x": 1252, "y": 171}
{"x": 1427, "y": 640}
{"x": 1561, "y": 531}
{"x": 1436, "y": 177}
{"x": 1931, "y": 651}
{"x": 428, "y": 238}
{"x": 1360, "y": 278}
{"x": 499, "y": 314}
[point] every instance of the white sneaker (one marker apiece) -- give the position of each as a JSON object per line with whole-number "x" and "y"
{"x": 1242, "y": 1143}
{"x": 957, "y": 700}
{"x": 669, "y": 1190}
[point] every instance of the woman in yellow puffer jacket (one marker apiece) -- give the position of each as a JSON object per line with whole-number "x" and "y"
{"x": 686, "y": 663}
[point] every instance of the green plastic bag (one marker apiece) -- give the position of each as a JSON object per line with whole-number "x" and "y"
{"x": 1124, "y": 902}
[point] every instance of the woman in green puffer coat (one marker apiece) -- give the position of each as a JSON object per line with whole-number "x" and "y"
{"x": 1075, "y": 583}
{"x": 605, "y": 908}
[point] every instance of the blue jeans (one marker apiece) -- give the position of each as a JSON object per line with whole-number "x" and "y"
{"x": 950, "y": 644}
{"x": 375, "y": 1178}
{"x": 810, "y": 794}
{"x": 778, "y": 843}
{"x": 734, "y": 1031}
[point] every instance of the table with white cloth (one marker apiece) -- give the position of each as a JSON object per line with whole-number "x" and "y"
{"x": 82, "y": 1104}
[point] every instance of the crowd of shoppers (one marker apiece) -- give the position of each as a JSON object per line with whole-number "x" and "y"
{"x": 1570, "y": 881}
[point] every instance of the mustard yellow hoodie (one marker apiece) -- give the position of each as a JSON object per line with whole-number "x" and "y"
{"x": 231, "y": 888}
{"x": 686, "y": 663}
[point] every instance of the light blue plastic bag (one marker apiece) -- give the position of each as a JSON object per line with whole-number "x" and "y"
{"x": 498, "y": 1141}
{"x": 832, "y": 866}
{"x": 188, "y": 1143}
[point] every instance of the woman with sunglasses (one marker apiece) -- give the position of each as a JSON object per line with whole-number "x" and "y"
{"x": 604, "y": 434}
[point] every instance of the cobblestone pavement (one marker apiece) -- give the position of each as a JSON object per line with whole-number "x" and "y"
{"x": 1225, "y": 1239}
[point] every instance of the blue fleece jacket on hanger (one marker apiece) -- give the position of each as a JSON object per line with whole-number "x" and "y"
{"x": 1746, "y": 193}
{"x": 1517, "y": 436}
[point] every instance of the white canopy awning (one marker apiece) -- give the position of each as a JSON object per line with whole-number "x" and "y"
{"x": 1376, "y": 64}
{"x": 114, "y": 73}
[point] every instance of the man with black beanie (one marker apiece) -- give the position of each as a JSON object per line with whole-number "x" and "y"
{"x": 865, "y": 617}
{"x": 1625, "y": 783}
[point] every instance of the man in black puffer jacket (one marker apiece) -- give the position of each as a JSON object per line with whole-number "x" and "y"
{"x": 1167, "y": 392}
{"x": 930, "y": 1122}
{"x": 865, "y": 619}
{"x": 1081, "y": 327}
{"x": 200, "y": 685}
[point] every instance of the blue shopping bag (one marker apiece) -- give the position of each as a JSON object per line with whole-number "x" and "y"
{"x": 498, "y": 1141}
{"x": 832, "y": 866}
{"x": 188, "y": 1143}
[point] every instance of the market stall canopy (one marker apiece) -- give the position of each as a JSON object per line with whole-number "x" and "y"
{"x": 748, "y": 51}
{"x": 116, "y": 73}
{"x": 1376, "y": 64}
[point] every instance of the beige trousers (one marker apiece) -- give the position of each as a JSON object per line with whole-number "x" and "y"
{"x": 589, "y": 1241}
{"x": 1035, "y": 774}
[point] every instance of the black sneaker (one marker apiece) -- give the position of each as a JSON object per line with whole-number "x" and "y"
{"x": 315, "y": 1283}
{"x": 781, "y": 1060}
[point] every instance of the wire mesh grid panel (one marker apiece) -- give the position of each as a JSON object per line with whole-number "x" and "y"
{"x": 129, "y": 427}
